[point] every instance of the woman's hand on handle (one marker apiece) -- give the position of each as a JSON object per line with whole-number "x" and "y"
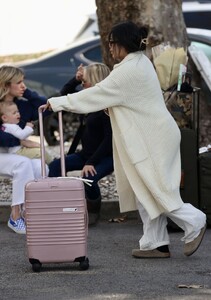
{"x": 45, "y": 107}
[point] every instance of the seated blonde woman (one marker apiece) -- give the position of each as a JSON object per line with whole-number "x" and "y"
{"x": 95, "y": 158}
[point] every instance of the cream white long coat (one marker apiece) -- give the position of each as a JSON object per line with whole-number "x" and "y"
{"x": 146, "y": 139}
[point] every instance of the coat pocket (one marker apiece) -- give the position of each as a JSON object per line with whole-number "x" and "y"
{"x": 134, "y": 145}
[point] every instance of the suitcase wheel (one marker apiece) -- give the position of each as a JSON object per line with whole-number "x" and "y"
{"x": 84, "y": 264}
{"x": 36, "y": 265}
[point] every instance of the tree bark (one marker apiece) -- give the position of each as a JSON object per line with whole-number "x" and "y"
{"x": 161, "y": 17}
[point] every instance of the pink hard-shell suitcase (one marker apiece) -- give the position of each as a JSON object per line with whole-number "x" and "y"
{"x": 56, "y": 215}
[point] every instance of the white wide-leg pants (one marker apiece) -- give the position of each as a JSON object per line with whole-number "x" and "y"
{"x": 22, "y": 170}
{"x": 155, "y": 234}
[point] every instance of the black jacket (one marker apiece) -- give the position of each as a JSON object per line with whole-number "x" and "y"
{"x": 96, "y": 137}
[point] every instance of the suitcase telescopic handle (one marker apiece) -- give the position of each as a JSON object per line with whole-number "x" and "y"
{"x": 42, "y": 146}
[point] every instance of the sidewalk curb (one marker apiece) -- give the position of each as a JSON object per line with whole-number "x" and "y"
{"x": 109, "y": 210}
{"x": 4, "y": 213}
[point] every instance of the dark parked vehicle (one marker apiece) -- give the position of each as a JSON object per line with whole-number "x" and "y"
{"x": 197, "y": 14}
{"x": 48, "y": 74}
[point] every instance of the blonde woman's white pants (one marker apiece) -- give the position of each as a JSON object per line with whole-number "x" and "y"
{"x": 22, "y": 170}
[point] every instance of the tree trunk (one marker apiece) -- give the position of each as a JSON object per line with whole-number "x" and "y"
{"x": 160, "y": 17}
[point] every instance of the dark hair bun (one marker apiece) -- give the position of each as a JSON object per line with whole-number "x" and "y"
{"x": 143, "y": 34}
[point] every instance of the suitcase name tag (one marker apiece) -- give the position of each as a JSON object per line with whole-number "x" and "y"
{"x": 70, "y": 209}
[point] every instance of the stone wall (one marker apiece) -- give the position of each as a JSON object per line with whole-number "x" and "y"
{"x": 6, "y": 190}
{"x": 107, "y": 187}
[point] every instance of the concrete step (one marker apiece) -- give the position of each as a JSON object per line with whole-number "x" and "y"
{"x": 109, "y": 210}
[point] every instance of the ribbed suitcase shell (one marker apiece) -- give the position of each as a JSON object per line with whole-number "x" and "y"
{"x": 56, "y": 220}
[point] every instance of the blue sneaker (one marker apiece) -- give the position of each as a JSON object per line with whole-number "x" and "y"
{"x": 18, "y": 226}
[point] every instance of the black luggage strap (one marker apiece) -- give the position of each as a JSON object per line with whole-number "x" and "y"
{"x": 77, "y": 136}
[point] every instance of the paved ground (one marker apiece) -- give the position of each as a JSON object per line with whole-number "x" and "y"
{"x": 113, "y": 272}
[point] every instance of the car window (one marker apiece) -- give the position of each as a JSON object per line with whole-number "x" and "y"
{"x": 204, "y": 47}
{"x": 93, "y": 54}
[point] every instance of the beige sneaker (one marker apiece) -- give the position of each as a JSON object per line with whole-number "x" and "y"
{"x": 191, "y": 247}
{"x": 149, "y": 253}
